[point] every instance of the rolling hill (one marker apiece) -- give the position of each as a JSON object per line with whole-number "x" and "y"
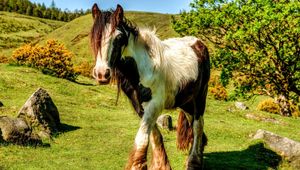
{"x": 17, "y": 29}
{"x": 75, "y": 34}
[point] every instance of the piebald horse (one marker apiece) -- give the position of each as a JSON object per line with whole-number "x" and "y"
{"x": 155, "y": 75}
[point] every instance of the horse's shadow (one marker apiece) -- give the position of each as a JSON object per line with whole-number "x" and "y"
{"x": 254, "y": 157}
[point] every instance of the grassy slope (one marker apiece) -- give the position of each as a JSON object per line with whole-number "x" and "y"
{"x": 106, "y": 132}
{"x": 17, "y": 29}
{"x": 75, "y": 34}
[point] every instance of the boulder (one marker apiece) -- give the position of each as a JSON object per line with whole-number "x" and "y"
{"x": 17, "y": 131}
{"x": 285, "y": 147}
{"x": 37, "y": 119}
{"x": 241, "y": 106}
{"x": 165, "y": 121}
{"x": 40, "y": 113}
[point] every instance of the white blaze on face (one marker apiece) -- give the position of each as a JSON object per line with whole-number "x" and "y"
{"x": 101, "y": 65}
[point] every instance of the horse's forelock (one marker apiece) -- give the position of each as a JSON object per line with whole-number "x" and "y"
{"x": 98, "y": 28}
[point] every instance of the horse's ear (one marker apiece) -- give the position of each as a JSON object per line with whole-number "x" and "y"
{"x": 95, "y": 11}
{"x": 118, "y": 14}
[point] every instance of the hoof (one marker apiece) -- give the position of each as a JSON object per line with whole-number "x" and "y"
{"x": 194, "y": 163}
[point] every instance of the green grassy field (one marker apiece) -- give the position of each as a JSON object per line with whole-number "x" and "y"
{"x": 100, "y": 135}
{"x": 17, "y": 29}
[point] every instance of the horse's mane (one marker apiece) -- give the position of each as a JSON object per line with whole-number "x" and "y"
{"x": 100, "y": 22}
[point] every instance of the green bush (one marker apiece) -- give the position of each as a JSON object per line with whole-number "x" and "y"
{"x": 53, "y": 59}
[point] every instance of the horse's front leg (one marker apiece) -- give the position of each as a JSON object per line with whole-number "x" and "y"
{"x": 138, "y": 157}
{"x": 159, "y": 156}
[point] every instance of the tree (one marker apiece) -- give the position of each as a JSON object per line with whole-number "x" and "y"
{"x": 257, "y": 42}
{"x": 52, "y": 6}
{"x": 20, "y": 7}
{"x": 29, "y": 10}
{"x": 47, "y": 13}
{"x": 12, "y": 6}
{"x": 37, "y": 12}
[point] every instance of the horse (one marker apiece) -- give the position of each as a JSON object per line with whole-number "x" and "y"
{"x": 154, "y": 75}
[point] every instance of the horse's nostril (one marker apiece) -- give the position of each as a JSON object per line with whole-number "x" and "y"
{"x": 107, "y": 74}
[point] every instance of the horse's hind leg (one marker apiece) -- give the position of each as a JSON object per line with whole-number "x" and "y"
{"x": 195, "y": 160}
{"x": 159, "y": 156}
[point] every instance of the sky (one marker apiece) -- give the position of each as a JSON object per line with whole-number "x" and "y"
{"x": 161, "y": 6}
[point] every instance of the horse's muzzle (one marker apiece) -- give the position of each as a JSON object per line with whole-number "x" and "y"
{"x": 102, "y": 79}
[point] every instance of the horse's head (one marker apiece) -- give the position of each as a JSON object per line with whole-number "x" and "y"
{"x": 108, "y": 38}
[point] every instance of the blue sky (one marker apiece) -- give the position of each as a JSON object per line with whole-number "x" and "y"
{"x": 162, "y": 6}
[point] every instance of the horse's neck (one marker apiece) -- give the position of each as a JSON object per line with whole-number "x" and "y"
{"x": 143, "y": 53}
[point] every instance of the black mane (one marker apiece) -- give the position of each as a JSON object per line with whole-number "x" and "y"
{"x": 128, "y": 80}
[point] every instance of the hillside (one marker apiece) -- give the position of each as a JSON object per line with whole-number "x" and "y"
{"x": 97, "y": 137}
{"x": 75, "y": 34}
{"x": 17, "y": 29}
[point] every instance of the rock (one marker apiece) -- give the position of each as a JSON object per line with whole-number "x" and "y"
{"x": 40, "y": 113}
{"x": 165, "y": 121}
{"x": 263, "y": 119}
{"x": 285, "y": 147}
{"x": 17, "y": 131}
{"x": 1, "y": 104}
{"x": 241, "y": 105}
{"x": 37, "y": 119}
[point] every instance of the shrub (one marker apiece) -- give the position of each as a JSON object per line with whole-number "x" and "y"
{"x": 269, "y": 106}
{"x": 85, "y": 69}
{"x": 53, "y": 59}
{"x": 219, "y": 92}
{"x": 216, "y": 88}
{"x": 3, "y": 59}
{"x": 295, "y": 110}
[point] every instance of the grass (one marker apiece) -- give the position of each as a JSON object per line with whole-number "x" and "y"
{"x": 100, "y": 135}
{"x": 17, "y": 29}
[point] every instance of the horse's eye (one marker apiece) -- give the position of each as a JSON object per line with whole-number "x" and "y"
{"x": 118, "y": 37}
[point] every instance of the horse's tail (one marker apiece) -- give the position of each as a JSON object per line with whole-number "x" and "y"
{"x": 184, "y": 132}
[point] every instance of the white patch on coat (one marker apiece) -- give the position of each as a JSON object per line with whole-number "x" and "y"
{"x": 198, "y": 126}
{"x": 104, "y": 54}
{"x": 164, "y": 67}
{"x": 171, "y": 63}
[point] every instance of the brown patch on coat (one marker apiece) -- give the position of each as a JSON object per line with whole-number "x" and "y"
{"x": 160, "y": 159}
{"x": 201, "y": 50}
{"x": 137, "y": 159}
